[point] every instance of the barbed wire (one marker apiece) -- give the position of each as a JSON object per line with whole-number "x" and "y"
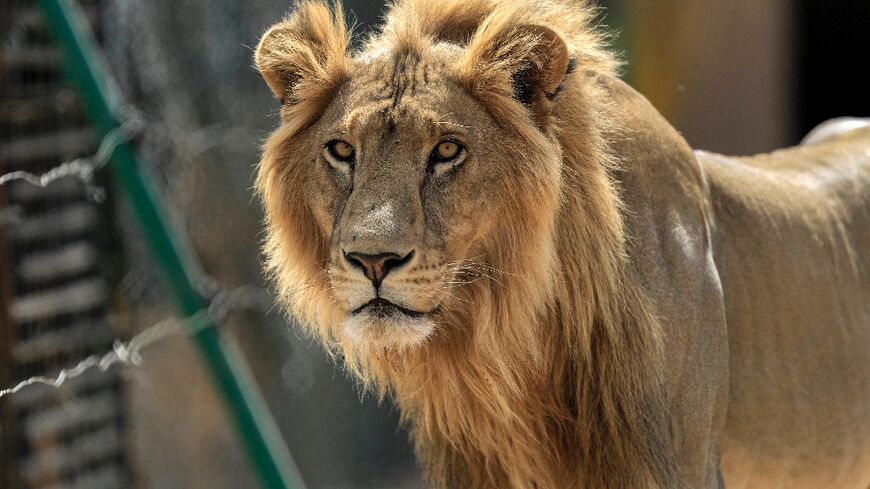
{"x": 199, "y": 141}
{"x": 83, "y": 168}
{"x": 222, "y": 304}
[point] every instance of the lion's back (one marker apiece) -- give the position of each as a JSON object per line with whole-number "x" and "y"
{"x": 792, "y": 245}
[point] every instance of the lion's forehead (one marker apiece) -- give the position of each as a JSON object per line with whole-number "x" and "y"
{"x": 392, "y": 78}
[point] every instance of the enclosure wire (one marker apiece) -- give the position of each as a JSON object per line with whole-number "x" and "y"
{"x": 134, "y": 127}
{"x": 245, "y": 297}
{"x": 84, "y": 168}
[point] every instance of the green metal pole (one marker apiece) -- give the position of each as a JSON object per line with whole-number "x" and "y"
{"x": 255, "y": 425}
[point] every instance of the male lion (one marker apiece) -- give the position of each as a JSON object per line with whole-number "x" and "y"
{"x": 557, "y": 292}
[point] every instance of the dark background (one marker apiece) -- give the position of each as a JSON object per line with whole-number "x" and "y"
{"x": 738, "y": 77}
{"x": 831, "y": 59}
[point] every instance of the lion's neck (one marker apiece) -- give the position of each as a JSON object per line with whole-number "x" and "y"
{"x": 484, "y": 418}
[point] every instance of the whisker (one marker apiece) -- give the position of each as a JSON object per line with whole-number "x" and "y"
{"x": 444, "y": 291}
{"x": 492, "y": 268}
{"x": 312, "y": 281}
{"x": 301, "y": 289}
{"x": 482, "y": 274}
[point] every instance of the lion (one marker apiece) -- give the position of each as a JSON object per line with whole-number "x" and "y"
{"x": 494, "y": 231}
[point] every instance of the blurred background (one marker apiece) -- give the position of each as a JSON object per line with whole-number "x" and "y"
{"x": 738, "y": 76}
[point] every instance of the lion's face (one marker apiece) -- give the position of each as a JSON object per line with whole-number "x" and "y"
{"x": 404, "y": 184}
{"x": 407, "y": 175}
{"x": 401, "y": 190}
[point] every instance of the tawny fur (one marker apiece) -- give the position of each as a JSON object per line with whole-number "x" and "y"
{"x": 546, "y": 370}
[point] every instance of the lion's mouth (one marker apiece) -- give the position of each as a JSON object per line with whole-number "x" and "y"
{"x": 381, "y": 323}
{"x": 382, "y": 308}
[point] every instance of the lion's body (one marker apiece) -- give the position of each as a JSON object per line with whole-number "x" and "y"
{"x": 587, "y": 303}
{"x": 792, "y": 246}
{"x": 789, "y": 240}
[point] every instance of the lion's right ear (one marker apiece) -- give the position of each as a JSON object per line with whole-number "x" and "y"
{"x": 307, "y": 52}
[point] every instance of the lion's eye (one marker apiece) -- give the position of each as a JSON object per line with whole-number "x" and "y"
{"x": 447, "y": 150}
{"x": 340, "y": 150}
{"x": 446, "y": 156}
{"x": 340, "y": 156}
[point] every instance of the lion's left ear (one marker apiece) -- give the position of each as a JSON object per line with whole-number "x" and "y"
{"x": 525, "y": 62}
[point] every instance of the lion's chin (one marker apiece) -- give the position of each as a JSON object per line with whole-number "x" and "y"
{"x": 369, "y": 329}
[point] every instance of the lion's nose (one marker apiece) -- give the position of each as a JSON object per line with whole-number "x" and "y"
{"x": 377, "y": 266}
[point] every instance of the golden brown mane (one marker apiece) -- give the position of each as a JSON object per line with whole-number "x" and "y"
{"x": 551, "y": 375}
